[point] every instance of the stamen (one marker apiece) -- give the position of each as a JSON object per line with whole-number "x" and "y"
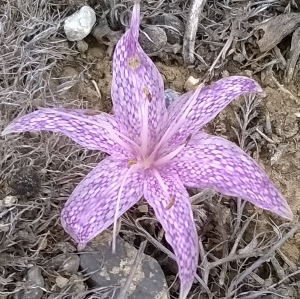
{"x": 188, "y": 139}
{"x": 148, "y": 94}
{"x": 169, "y": 156}
{"x": 178, "y": 121}
{"x": 132, "y": 162}
{"x": 116, "y": 216}
{"x": 171, "y": 203}
{"x": 160, "y": 182}
{"x": 115, "y": 135}
{"x": 145, "y": 127}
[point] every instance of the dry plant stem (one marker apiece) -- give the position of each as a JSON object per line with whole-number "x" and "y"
{"x": 137, "y": 261}
{"x": 225, "y": 48}
{"x": 240, "y": 235}
{"x": 261, "y": 260}
{"x": 282, "y": 88}
{"x": 196, "y": 7}
{"x": 223, "y": 216}
{"x": 295, "y": 52}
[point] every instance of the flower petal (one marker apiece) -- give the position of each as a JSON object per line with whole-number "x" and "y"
{"x": 210, "y": 101}
{"x": 137, "y": 86}
{"x": 176, "y": 217}
{"x": 92, "y": 205}
{"x": 213, "y": 162}
{"x": 94, "y": 132}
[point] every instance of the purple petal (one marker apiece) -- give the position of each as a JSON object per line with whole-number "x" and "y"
{"x": 175, "y": 215}
{"x": 137, "y": 87}
{"x": 88, "y": 130}
{"x": 92, "y": 205}
{"x": 210, "y": 101}
{"x": 213, "y": 162}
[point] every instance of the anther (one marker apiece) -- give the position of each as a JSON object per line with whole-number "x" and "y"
{"x": 171, "y": 203}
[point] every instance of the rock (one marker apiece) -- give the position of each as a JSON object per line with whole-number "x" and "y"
{"x": 107, "y": 269}
{"x": 173, "y": 27}
{"x": 71, "y": 264}
{"x": 82, "y": 46}
{"x": 61, "y": 281}
{"x": 24, "y": 182}
{"x": 9, "y": 201}
{"x": 34, "y": 280}
{"x": 191, "y": 83}
{"x": 152, "y": 39}
{"x": 170, "y": 96}
{"x": 78, "y": 285}
{"x": 80, "y": 24}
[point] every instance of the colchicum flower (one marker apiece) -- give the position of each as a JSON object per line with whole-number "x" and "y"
{"x": 155, "y": 152}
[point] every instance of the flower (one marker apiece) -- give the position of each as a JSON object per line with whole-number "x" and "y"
{"x": 154, "y": 152}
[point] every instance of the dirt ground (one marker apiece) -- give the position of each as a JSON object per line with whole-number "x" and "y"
{"x": 30, "y": 232}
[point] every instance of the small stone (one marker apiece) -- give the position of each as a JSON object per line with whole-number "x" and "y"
{"x": 170, "y": 96}
{"x": 143, "y": 208}
{"x": 38, "y": 102}
{"x": 34, "y": 281}
{"x": 61, "y": 281}
{"x": 80, "y": 24}
{"x": 71, "y": 264}
{"x": 24, "y": 182}
{"x": 9, "y": 201}
{"x": 172, "y": 25}
{"x": 106, "y": 269}
{"x": 78, "y": 285}
{"x": 153, "y": 39}
{"x": 82, "y": 46}
{"x": 191, "y": 83}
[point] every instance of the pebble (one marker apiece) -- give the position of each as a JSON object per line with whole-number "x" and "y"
{"x": 82, "y": 46}
{"x": 80, "y": 24}
{"x": 25, "y": 182}
{"x": 152, "y": 39}
{"x": 34, "y": 280}
{"x": 61, "y": 281}
{"x": 191, "y": 83}
{"x": 173, "y": 27}
{"x": 9, "y": 201}
{"x": 106, "y": 269}
{"x": 170, "y": 96}
{"x": 71, "y": 264}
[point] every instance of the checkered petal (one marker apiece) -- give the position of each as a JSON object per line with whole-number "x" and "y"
{"x": 213, "y": 162}
{"x": 209, "y": 102}
{"x": 90, "y": 131}
{"x": 137, "y": 87}
{"x": 175, "y": 215}
{"x": 92, "y": 205}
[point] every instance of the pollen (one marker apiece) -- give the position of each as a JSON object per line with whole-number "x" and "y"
{"x": 131, "y": 162}
{"x": 134, "y": 62}
{"x": 171, "y": 203}
{"x": 147, "y": 93}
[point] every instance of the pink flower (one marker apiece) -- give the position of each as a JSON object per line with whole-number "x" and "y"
{"x": 155, "y": 152}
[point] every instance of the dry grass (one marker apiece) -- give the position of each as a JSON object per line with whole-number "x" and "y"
{"x": 239, "y": 250}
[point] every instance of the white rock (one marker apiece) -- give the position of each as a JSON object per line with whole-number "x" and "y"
{"x": 61, "y": 281}
{"x": 80, "y": 24}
